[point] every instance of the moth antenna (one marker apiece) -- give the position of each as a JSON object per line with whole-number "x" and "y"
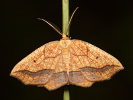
{"x": 51, "y": 25}
{"x": 70, "y": 20}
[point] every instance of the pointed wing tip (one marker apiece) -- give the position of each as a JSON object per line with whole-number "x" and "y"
{"x": 12, "y": 74}
{"x": 122, "y": 68}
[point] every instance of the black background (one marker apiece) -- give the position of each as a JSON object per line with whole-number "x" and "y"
{"x": 107, "y": 24}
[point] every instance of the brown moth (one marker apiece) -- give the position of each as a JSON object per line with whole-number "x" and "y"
{"x": 66, "y": 62}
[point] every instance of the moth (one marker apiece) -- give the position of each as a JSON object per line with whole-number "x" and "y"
{"x": 65, "y": 62}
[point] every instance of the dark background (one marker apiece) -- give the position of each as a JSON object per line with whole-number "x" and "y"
{"x": 107, "y": 24}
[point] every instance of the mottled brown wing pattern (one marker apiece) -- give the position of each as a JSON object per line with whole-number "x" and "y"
{"x": 59, "y": 77}
{"x": 102, "y": 65}
{"x": 39, "y": 66}
{"x": 76, "y": 77}
{"x": 92, "y": 64}
{"x": 53, "y": 66}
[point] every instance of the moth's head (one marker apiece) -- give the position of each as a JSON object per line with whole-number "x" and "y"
{"x": 65, "y": 37}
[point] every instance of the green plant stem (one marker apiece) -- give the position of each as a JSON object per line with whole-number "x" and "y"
{"x": 65, "y": 15}
{"x": 66, "y": 95}
{"x": 65, "y": 19}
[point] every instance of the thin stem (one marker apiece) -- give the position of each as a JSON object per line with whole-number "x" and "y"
{"x": 66, "y": 95}
{"x": 65, "y": 20}
{"x": 65, "y": 16}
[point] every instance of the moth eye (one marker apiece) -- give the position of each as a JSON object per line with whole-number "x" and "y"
{"x": 34, "y": 60}
{"x": 66, "y": 35}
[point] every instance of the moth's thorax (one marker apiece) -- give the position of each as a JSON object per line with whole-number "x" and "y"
{"x": 65, "y": 43}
